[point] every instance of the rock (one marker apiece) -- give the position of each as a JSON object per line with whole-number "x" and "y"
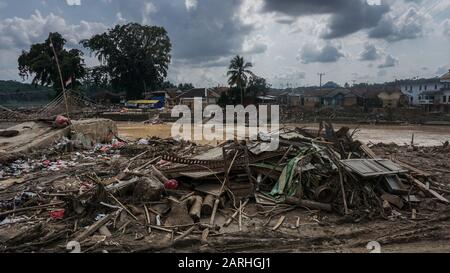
{"x": 9, "y": 133}
{"x": 148, "y": 189}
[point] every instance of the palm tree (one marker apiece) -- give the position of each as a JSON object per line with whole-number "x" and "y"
{"x": 238, "y": 72}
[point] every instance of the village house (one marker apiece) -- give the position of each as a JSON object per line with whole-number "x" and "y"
{"x": 442, "y": 97}
{"x": 393, "y": 98}
{"x": 430, "y": 94}
{"x": 417, "y": 90}
{"x": 339, "y": 98}
{"x": 207, "y": 95}
{"x": 314, "y": 98}
{"x": 289, "y": 98}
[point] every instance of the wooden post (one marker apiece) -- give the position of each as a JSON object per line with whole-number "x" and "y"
{"x": 60, "y": 76}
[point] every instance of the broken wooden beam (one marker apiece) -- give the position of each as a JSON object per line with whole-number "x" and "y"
{"x": 93, "y": 228}
{"x": 424, "y": 188}
{"x": 308, "y": 204}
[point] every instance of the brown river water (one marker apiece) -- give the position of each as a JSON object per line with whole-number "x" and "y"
{"x": 424, "y": 135}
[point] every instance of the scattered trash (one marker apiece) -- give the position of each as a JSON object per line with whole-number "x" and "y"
{"x": 57, "y": 214}
{"x": 126, "y": 196}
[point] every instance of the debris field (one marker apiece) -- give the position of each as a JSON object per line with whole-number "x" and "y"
{"x": 320, "y": 191}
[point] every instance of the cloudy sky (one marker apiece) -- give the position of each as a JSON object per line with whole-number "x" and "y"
{"x": 288, "y": 41}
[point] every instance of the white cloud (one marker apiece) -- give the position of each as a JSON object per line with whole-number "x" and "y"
{"x": 389, "y": 61}
{"x": 370, "y": 53}
{"x": 21, "y": 33}
{"x": 312, "y": 53}
{"x": 73, "y": 2}
{"x": 411, "y": 24}
{"x": 190, "y": 4}
{"x": 149, "y": 8}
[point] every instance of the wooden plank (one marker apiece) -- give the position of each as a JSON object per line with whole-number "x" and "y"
{"x": 93, "y": 228}
{"x": 411, "y": 168}
{"x": 368, "y": 151}
{"x": 424, "y": 188}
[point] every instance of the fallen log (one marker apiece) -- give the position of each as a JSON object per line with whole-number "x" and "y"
{"x": 308, "y": 204}
{"x": 208, "y": 204}
{"x": 196, "y": 209}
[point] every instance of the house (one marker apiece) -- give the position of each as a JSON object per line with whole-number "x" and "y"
{"x": 442, "y": 98}
{"x": 335, "y": 98}
{"x": 392, "y": 98}
{"x": 417, "y": 89}
{"x": 143, "y": 104}
{"x": 352, "y": 99}
{"x": 436, "y": 99}
{"x": 294, "y": 100}
{"x": 208, "y": 96}
{"x": 314, "y": 98}
{"x": 269, "y": 100}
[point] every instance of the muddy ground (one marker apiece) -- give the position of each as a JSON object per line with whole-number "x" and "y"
{"x": 303, "y": 230}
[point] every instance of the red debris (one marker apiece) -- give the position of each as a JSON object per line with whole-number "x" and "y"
{"x": 61, "y": 122}
{"x": 171, "y": 184}
{"x": 57, "y": 214}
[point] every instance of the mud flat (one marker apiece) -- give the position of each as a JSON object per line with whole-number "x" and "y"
{"x": 424, "y": 135}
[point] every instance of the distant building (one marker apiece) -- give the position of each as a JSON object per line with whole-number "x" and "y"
{"x": 336, "y": 98}
{"x": 442, "y": 97}
{"x": 393, "y": 98}
{"x": 418, "y": 90}
{"x": 143, "y": 104}
{"x": 314, "y": 98}
{"x": 208, "y": 97}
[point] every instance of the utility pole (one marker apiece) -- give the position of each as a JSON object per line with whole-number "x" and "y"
{"x": 60, "y": 76}
{"x": 320, "y": 77}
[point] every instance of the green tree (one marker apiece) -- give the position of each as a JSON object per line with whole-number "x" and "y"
{"x": 166, "y": 85}
{"x": 185, "y": 86}
{"x": 135, "y": 57}
{"x": 40, "y": 62}
{"x": 238, "y": 72}
{"x": 257, "y": 86}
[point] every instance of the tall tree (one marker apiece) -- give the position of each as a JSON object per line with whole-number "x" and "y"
{"x": 136, "y": 57}
{"x": 185, "y": 86}
{"x": 40, "y": 61}
{"x": 257, "y": 86}
{"x": 238, "y": 72}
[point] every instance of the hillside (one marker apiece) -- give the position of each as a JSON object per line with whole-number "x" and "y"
{"x": 14, "y": 93}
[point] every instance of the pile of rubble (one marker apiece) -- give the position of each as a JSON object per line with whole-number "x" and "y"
{"x": 154, "y": 194}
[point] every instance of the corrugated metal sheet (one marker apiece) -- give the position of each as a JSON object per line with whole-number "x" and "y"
{"x": 372, "y": 167}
